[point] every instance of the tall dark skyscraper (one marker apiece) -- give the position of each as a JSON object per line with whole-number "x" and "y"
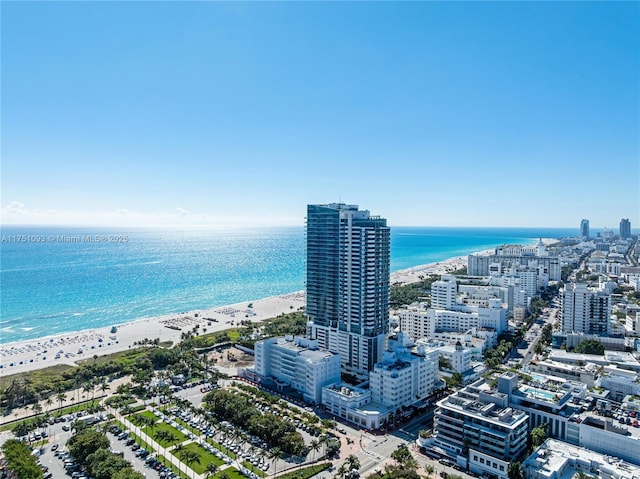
{"x": 625, "y": 228}
{"x": 348, "y": 257}
{"x": 584, "y": 230}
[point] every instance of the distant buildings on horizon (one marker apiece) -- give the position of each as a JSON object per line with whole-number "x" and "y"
{"x": 395, "y": 364}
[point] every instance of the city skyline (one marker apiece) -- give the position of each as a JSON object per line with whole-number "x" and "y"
{"x": 215, "y": 113}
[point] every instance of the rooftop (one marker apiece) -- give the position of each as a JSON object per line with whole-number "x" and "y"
{"x": 561, "y": 460}
{"x": 626, "y": 360}
{"x": 614, "y": 420}
{"x": 488, "y": 411}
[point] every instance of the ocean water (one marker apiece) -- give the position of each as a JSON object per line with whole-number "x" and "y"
{"x": 61, "y": 279}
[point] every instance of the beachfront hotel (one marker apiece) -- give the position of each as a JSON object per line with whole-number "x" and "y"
{"x": 348, "y": 261}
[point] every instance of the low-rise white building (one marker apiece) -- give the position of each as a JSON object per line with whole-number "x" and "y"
{"x": 297, "y": 362}
{"x": 402, "y": 378}
{"x": 619, "y": 382}
{"x": 559, "y": 460}
{"x": 353, "y": 404}
{"x": 585, "y": 374}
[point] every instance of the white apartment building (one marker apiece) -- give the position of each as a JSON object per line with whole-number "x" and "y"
{"x": 297, "y": 362}
{"x": 508, "y": 256}
{"x": 416, "y": 322}
{"x": 403, "y": 379}
{"x": 443, "y": 292}
{"x": 400, "y": 380}
{"x": 632, "y": 324}
{"x": 449, "y": 320}
{"x": 493, "y": 317}
{"x": 458, "y": 357}
{"x": 585, "y": 310}
{"x": 448, "y": 325}
{"x": 476, "y": 341}
{"x": 546, "y": 400}
{"x": 605, "y": 436}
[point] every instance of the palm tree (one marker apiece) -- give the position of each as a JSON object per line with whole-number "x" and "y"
{"x": 429, "y": 469}
{"x": 190, "y": 458}
{"x": 61, "y": 397}
{"x": 353, "y": 462}
{"x": 86, "y": 387}
{"x": 177, "y": 452}
{"x": 211, "y": 469}
{"x": 48, "y": 403}
{"x": 104, "y": 387}
{"x": 326, "y": 442}
{"x": 274, "y": 455}
{"x": 315, "y": 447}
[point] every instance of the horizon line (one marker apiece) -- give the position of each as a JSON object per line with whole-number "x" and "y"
{"x": 244, "y": 225}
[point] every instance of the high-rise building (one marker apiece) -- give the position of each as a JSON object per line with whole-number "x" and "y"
{"x": 584, "y": 230}
{"x": 348, "y": 253}
{"x": 585, "y": 310}
{"x": 625, "y": 228}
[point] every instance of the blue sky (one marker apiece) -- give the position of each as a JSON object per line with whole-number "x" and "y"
{"x": 434, "y": 113}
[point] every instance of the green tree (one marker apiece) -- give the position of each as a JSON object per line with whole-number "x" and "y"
{"x": 429, "y": 469}
{"x": 211, "y": 469}
{"x": 84, "y": 443}
{"x": 274, "y": 455}
{"x": 20, "y": 461}
{"x": 103, "y": 464}
{"x": 538, "y": 435}
{"x": 61, "y": 397}
{"x": 128, "y": 473}
{"x": 191, "y": 457}
{"x": 590, "y": 346}
{"x": 352, "y": 462}
{"x": 404, "y": 458}
{"x": 539, "y": 349}
{"x": 315, "y": 447}
{"x": 515, "y": 470}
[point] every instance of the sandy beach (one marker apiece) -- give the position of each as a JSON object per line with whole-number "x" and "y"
{"x": 68, "y": 348}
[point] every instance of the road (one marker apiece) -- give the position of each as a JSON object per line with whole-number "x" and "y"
{"x": 374, "y": 451}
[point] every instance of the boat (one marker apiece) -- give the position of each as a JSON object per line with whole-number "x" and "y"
{"x": 114, "y": 329}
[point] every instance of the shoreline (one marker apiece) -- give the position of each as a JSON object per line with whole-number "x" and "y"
{"x": 31, "y": 354}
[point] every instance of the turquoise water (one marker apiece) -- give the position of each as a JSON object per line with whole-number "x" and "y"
{"x": 539, "y": 393}
{"x": 50, "y": 286}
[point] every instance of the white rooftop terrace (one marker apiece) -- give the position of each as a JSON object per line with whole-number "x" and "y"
{"x": 559, "y": 460}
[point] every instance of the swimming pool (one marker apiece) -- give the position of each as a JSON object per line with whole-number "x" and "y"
{"x": 538, "y": 393}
